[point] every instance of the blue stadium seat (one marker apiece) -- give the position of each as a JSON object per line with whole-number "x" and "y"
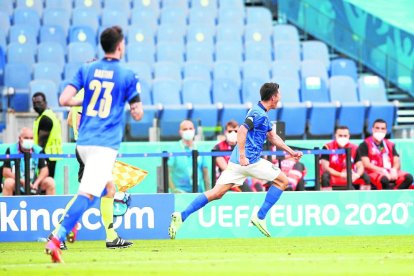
{"x": 146, "y": 4}
{"x": 196, "y": 91}
{"x": 7, "y": 6}
{"x": 231, "y": 16}
{"x": 316, "y": 50}
{"x": 71, "y": 68}
{"x": 381, "y": 110}
{"x": 343, "y": 89}
{"x": 167, "y": 69}
{"x": 118, "y": 5}
{"x": 17, "y": 75}
{"x": 289, "y": 88}
{"x": 229, "y": 51}
{"x": 237, "y": 5}
{"x": 314, "y": 89}
{"x": 4, "y": 21}
{"x": 258, "y": 34}
{"x": 167, "y": 4}
{"x": 80, "y": 52}
{"x": 57, "y": 17}
{"x": 235, "y": 112}
{"x": 285, "y": 69}
{"x": 23, "y": 34}
{"x": 140, "y": 34}
{"x": 3, "y": 43}
{"x": 202, "y": 16}
{"x": 288, "y": 50}
{"x": 170, "y": 51}
{"x": 227, "y": 70}
{"x": 285, "y": 32}
{"x": 226, "y": 91}
{"x": 294, "y": 115}
{"x": 85, "y": 17}
{"x": 171, "y": 33}
{"x": 49, "y": 88}
{"x": 344, "y": 67}
{"x": 51, "y": 52}
{"x": 170, "y": 118}
{"x": 142, "y": 69}
{"x": 2, "y": 65}
{"x": 82, "y": 34}
{"x": 200, "y": 52}
{"x": 145, "y": 17}
{"x": 90, "y": 4}
{"x": 58, "y": 4}
{"x": 229, "y": 33}
{"x": 200, "y": 33}
{"x": 53, "y": 34}
{"x": 211, "y": 5}
{"x": 256, "y": 69}
{"x": 48, "y": 71}
{"x": 20, "y": 53}
{"x": 36, "y": 5}
{"x": 322, "y": 119}
{"x": 314, "y": 68}
{"x": 144, "y": 52}
{"x": 207, "y": 117}
{"x": 139, "y": 130}
{"x": 251, "y": 89}
{"x": 352, "y": 114}
{"x": 260, "y": 16}
{"x": 166, "y": 91}
{"x": 197, "y": 70}
{"x": 26, "y": 16}
{"x": 258, "y": 51}
{"x": 175, "y": 16}
{"x": 371, "y": 88}
{"x": 112, "y": 17}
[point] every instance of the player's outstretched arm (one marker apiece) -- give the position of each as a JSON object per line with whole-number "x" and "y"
{"x": 137, "y": 112}
{"x": 67, "y": 97}
{"x": 278, "y": 142}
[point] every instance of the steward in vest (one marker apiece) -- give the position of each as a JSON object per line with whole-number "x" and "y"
{"x": 381, "y": 160}
{"x": 46, "y": 130}
{"x": 333, "y": 166}
{"x": 39, "y": 179}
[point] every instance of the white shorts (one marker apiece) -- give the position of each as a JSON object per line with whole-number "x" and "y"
{"x": 236, "y": 174}
{"x": 99, "y": 162}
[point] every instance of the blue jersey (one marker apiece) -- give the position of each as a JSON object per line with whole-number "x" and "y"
{"x": 108, "y": 87}
{"x": 256, "y": 134}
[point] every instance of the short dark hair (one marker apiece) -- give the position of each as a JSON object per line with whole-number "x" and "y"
{"x": 110, "y": 38}
{"x": 232, "y": 123}
{"x": 341, "y": 127}
{"x": 268, "y": 90}
{"x": 379, "y": 121}
{"x": 41, "y": 94}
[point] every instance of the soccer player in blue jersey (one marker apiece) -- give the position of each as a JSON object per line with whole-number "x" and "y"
{"x": 245, "y": 161}
{"x": 108, "y": 87}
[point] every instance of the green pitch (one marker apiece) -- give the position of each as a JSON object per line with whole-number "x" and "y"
{"x": 390, "y": 255}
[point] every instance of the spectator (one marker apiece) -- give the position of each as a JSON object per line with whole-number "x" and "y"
{"x": 228, "y": 144}
{"x": 334, "y": 165}
{"x": 381, "y": 160}
{"x": 180, "y": 167}
{"x": 40, "y": 181}
{"x": 46, "y": 130}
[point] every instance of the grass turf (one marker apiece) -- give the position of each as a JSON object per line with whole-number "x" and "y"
{"x": 387, "y": 255}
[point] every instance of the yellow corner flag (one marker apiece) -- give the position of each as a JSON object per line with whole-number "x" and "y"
{"x": 126, "y": 176}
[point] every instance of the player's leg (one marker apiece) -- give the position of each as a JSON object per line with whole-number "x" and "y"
{"x": 222, "y": 186}
{"x": 113, "y": 241}
{"x": 268, "y": 172}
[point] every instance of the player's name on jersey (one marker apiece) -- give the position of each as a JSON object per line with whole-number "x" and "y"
{"x": 103, "y": 74}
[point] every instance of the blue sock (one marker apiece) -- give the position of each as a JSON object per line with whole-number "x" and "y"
{"x": 272, "y": 196}
{"x": 72, "y": 216}
{"x": 198, "y": 203}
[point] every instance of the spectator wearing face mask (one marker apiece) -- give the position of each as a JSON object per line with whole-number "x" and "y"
{"x": 381, "y": 160}
{"x": 180, "y": 167}
{"x": 228, "y": 144}
{"x": 40, "y": 181}
{"x": 334, "y": 165}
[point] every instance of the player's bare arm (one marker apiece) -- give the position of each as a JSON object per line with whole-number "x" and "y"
{"x": 241, "y": 143}
{"x": 67, "y": 97}
{"x": 278, "y": 142}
